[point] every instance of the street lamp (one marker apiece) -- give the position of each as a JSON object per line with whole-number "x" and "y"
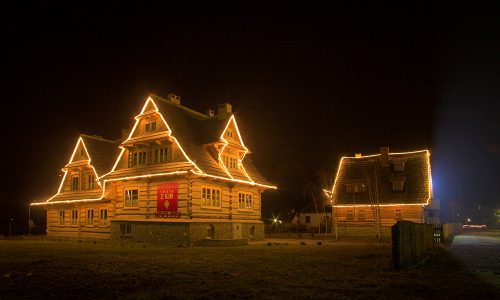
{"x": 10, "y": 227}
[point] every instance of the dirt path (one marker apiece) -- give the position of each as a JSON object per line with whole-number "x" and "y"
{"x": 479, "y": 251}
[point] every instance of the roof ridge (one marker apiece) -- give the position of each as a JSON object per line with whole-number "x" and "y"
{"x": 179, "y": 105}
{"x": 96, "y": 137}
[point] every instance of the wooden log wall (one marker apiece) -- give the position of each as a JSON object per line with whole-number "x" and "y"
{"x": 388, "y": 214}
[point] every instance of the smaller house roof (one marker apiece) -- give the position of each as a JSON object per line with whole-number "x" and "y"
{"x": 376, "y": 174}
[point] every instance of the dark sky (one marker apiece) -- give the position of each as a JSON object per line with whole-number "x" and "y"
{"x": 307, "y": 88}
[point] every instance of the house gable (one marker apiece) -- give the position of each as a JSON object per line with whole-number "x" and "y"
{"x": 361, "y": 179}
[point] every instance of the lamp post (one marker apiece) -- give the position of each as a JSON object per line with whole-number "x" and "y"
{"x": 10, "y": 227}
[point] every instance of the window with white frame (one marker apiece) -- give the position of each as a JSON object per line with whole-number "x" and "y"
{"x": 103, "y": 216}
{"x": 131, "y": 198}
{"x": 74, "y": 217}
{"x": 244, "y": 201}
{"x": 210, "y": 197}
{"x": 90, "y": 216}
{"x": 61, "y": 217}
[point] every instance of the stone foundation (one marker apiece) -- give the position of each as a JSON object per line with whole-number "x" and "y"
{"x": 184, "y": 233}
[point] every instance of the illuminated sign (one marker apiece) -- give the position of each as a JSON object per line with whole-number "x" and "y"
{"x": 166, "y": 200}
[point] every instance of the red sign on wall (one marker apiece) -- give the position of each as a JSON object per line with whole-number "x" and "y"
{"x": 167, "y": 197}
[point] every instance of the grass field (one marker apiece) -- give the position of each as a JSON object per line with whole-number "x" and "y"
{"x": 279, "y": 269}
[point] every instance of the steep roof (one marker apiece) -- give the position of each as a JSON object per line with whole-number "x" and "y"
{"x": 102, "y": 153}
{"x": 193, "y": 130}
{"x": 378, "y": 177}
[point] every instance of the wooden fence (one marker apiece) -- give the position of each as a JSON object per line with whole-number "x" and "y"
{"x": 410, "y": 242}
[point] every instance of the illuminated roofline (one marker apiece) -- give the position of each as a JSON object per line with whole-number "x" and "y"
{"x": 429, "y": 173}
{"x": 387, "y": 205}
{"x": 235, "y": 180}
{"x": 169, "y": 132}
{"x": 67, "y": 201}
{"x": 240, "y": 160}
{"x": 147, "y": 176}
{"x": 80, "y": 140}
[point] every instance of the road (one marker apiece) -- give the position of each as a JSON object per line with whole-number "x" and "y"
{"x": 479, "y": 251}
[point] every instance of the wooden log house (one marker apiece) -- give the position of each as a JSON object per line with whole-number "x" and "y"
{"x": 179, "y": 177}
{"x": 378, "y": 190}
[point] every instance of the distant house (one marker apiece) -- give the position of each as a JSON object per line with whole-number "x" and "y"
{"x": 180, "y": 176}
{"x": 316, "y": 217}
{"x": 378, "y": 190}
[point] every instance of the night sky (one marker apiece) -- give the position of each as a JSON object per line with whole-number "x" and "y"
{"x": 306, "y": 89}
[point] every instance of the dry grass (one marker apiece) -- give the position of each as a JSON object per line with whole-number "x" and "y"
{"x": 58, "y": 269}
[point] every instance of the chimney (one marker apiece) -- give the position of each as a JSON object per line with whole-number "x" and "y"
{"x": 224, "y": 111}
{"x": 384, "y": 156}
{"x": 174, "y": 99}
{"x": 210, "y": 112}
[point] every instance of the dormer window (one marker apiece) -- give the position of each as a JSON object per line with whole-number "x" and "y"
{"x": 230, "y": 162}
{"x": 230, "y": 133}
{"x": 75, "y": 183}
{"x": 397, "y": 185}
{"x": 82, "y": 153}
{"x": 355, "y": 188}
{"x": 151, "y": 126}
{"x": 399, "y": 166}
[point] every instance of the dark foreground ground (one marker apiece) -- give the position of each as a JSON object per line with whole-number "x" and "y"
{"x": 40, "y": 269}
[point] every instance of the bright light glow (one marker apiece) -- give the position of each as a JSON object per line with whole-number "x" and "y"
{"x": 80, "y": 141}
{"x": 240, "y": 159}
{"x": 429, "y": 184}
{"x": 146, "y": 176}
{"x": 469, "y": 220}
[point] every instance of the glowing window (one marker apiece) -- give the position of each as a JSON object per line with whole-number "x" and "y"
{"x": 210, "y": 197}
{"x": 244, "y": 201}
{"x": 131, "y": 198}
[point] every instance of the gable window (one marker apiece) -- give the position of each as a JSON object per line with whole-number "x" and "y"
{"x": 161, "y": 155}
{"x": 397, "y": 185}
{"x": 91, "y": 180}
{"x": 355, "y": 188}
{"x": 74, "y": 217}
{"x": 90, "y": 216}
{"x": 210, "y": 197}
{"x": 244, "y": 201}
{"x": 82, "y": 153}
{"x": 131, "y": 198}
{"x": 230, "y": 162}
{"x": 61, "y": 217}
{"x": 150, "y": 127}
{"x": 230, "y": 133}
{"x": 75, "y": 183}
{"x": 103, "y": 216}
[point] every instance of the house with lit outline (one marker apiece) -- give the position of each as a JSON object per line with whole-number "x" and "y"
{"x": 178, "y": 177}
{"x": 375, "y": 191}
